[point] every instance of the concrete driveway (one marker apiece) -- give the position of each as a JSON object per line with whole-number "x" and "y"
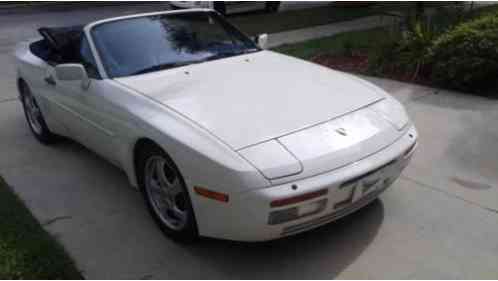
{"x": 440, "y": 220}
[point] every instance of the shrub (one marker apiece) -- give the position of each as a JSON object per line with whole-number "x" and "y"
{"x": 466, "y": 57}
{"x": 412, "y": 37}
{"x": 414, "y": 47}
{"x": 449, "y": 15}
{"x": 404, "y": 53}
{"x": 348, "y": 48}
{"x": 381, "y": 58}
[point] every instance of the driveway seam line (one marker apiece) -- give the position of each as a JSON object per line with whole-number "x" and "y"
{"x": 449, "y": 194}
{"x": 56, "y": 219}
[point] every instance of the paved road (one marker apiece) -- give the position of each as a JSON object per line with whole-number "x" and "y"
{"x": 439, "y": 220}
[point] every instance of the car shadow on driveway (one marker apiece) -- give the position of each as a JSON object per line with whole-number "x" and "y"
{"x": 320, "y": 253}
{"x": 110, "y": 234}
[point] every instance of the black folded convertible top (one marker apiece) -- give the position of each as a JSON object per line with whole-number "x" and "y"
{"x": 64, "y": 41}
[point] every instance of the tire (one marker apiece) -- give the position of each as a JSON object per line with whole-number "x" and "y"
{"x": 272, "y": 6}
{"x": 180, "y": 227}
{"x": 34, "y": 116}
{"x": 220, "y": 7}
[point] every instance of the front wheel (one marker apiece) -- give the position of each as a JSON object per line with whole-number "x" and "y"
{"x": 166, "y": 195}
{"x": 34, "y": 116}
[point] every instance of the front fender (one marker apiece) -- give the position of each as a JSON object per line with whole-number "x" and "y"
{"x": 203, "y": 159}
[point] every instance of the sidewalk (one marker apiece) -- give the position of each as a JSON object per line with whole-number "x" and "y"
{"x": 305, "y": 34}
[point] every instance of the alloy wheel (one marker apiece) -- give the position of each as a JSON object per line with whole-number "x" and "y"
{"x": 33, "y": 113}
{"x": 167, "y": 196}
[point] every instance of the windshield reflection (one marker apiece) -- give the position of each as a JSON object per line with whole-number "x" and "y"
{"x": 145, "y": 44}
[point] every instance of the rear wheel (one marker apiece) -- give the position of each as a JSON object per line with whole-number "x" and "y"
{"x": 165, "y": 194}
{"x": 34, "y": 116}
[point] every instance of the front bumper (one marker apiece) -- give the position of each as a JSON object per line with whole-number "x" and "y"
{"x": 245, "y": 217}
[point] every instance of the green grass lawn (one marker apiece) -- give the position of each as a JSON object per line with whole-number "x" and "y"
{"x": 358, "y": 40}
{"x": 26, "y": 250}
{"x": 257, "y": 23}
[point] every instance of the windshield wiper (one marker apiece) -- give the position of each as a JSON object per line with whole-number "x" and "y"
{"x": 184, "y": 63}
{"x": 163, "y": 67}
{"x": 230, "y": 54}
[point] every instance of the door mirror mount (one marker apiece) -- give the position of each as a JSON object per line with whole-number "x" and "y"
{"x": 262, "y": 41}
{"x": 72, "y": 72}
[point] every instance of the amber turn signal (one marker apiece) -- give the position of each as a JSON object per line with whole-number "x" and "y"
{"x": 211, "y": 194}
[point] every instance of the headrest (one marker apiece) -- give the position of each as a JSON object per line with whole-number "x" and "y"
{"x": 64, "y": 40}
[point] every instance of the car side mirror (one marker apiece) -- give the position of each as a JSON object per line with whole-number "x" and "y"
{"x": 262, "y": 41}
{"x": 72, "y": 72}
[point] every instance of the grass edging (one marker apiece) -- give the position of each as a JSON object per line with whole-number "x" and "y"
{"x": 257, "y": 23}
{"x": 333, "y": 45}
{"x": 27, "y": 251}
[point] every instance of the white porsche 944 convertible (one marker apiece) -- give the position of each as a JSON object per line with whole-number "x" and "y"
{"x": 224, "y": 139}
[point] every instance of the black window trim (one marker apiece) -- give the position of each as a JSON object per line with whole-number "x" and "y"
{"x": 98, "y": 75}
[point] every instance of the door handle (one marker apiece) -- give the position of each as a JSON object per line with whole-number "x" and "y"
{"x": 50, "y": 80}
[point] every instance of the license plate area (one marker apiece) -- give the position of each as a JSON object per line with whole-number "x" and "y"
{"x": 361, "y": 186}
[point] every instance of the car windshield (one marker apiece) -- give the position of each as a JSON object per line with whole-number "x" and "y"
{"x": 150, "y": 43}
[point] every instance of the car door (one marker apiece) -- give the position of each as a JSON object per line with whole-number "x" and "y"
{"x": 86, "y": 112}
{"x": 44, "y": 92}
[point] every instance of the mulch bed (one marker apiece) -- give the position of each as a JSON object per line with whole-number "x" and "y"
{"x": 358, "y": 63}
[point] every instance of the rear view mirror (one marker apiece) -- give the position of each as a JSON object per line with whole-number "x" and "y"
{"x": 262, "y": 41}
{"x": 72, "y": 72}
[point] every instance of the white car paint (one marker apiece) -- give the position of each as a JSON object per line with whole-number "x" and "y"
{"x": 201, "y": 94}
{"x": 258, "y": 127}
{"x": 272, "y": 159}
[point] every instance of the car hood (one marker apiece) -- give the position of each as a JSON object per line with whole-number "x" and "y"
{"x": 324, "y": 147}
{"x": 253, "y": 98}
